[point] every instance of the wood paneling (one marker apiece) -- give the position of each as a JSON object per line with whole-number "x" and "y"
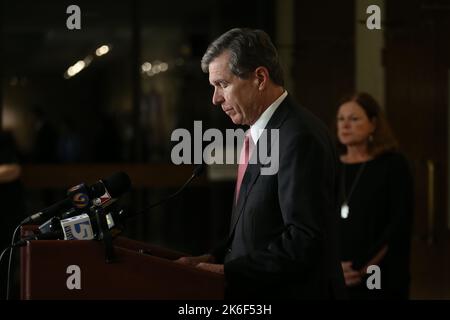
{"x": 141, "y": 175}
{"x": 324, "y": 55}
{"x": 417, "y": 64}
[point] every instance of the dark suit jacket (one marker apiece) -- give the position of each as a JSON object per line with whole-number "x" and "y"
{"x": 282, "y": 240}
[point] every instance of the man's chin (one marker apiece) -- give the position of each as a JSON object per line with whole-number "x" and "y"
{"x": 236, "y": 120}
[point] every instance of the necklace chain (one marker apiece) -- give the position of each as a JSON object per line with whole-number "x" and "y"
{"x": 345, "y": 209}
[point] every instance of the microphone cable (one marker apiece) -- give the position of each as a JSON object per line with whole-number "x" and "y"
{"x": 11, "y": 250}
{"x": 1, "y": 258}
{"x": 198, "y": 170}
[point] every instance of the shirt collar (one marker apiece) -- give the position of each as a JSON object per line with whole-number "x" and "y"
{"x": 257, "y": 128}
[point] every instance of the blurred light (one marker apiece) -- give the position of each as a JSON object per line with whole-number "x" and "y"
{"x": 164, "y": 66}
{"x": 146, "y": 66}
{"x": 81, "y": 64}
{"x": 77, "y": 67}
{"x": 156, "y": 67}
{"x": 102, "y": 50}
{"x": 71, "y": 71}
{"x": 151, "y": 69}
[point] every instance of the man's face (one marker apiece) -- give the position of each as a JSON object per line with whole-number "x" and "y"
{"x": 239, "y": 98}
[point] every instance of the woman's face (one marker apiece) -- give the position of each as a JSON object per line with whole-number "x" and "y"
{"x": 353, "y": 125}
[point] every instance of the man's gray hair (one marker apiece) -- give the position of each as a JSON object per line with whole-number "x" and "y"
{"x": 249, "y": 49}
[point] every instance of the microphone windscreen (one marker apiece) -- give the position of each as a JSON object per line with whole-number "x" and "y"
{"x": 117, "y": 184}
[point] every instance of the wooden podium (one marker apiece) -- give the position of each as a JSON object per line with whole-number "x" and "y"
{"x": 57, "y": 269}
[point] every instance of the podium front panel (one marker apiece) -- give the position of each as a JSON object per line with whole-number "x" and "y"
{"x": 77, "y": 270}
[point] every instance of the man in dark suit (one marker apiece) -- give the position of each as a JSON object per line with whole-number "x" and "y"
{"x": 282, "y": 240}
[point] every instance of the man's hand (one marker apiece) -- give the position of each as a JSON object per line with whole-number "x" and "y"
{"x": 204, "y": 262}
{"x": 194, "y": 261}
{"x": 213, "y": 267}
{"x": 352, "y": 277}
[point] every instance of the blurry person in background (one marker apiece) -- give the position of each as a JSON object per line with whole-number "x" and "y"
{"x": 12, "y": 209}
{"x": 376, "y": 201}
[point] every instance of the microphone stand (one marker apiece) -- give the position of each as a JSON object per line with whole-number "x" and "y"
{"x": 105, "y": 235}
{"x": 198, "y": 170}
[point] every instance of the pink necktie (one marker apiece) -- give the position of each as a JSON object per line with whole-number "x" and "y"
{"x": 243, "y": 162}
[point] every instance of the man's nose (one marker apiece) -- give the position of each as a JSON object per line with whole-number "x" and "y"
{"x": 217, "y": 98}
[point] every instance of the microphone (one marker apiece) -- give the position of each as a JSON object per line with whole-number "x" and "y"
{"x": 80, "y": 227}
{"x": 84, "y": 227}
{"x": 81, "y": 196}
{"x": 51, "y": 235}
{"x": 115, "y": 220}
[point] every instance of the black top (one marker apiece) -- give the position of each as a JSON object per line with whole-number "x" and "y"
{"x": 380, "y": 214}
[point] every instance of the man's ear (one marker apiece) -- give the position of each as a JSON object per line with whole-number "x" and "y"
{"x": 262, "y": 77}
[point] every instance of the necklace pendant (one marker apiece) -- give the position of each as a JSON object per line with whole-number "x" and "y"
{"x": 345, "y": 211}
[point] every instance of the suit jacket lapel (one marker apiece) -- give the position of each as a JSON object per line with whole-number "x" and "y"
{"x": 254, "y": 167}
